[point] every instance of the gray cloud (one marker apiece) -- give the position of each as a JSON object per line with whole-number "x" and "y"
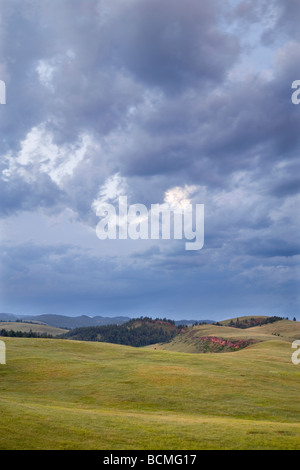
{"x": 165, "y": 94}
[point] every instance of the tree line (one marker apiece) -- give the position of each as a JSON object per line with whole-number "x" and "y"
{"x": 250, "y": 322}
{"x": 23, "y": 334}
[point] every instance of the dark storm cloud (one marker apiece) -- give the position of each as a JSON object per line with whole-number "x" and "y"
{"x": 18, "y": 195}
{"x": 287, "y": 188}
{"x": 49, "y": 278}
{"x": 217, "y": 131}
{"x": 52, "y": 265}
{"x": 81, "y": 67}
{"x": 101, "y": 54}
{"x": 99, "y": 62}
{"x": 158, "y": 92}
{"x": 274, "y": 247}
{"x": 86, "y": 91}
{"x": 173, "y": 45}
{"x": 287, "y": 20}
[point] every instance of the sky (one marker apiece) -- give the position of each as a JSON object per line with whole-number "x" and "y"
{"x": 158, "y": 101}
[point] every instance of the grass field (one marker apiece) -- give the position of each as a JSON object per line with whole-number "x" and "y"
{"x": 62, "y": 394}
{"x": 35, "y": 327}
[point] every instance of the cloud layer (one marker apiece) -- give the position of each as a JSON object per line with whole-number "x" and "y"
{"x": 143, "y": 97}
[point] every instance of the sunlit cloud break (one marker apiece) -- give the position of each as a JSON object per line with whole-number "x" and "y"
{"x": 175, "y": 218}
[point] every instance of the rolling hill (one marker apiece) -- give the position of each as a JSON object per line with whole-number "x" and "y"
{"x": 250, "y": 321}
{"x": 137, "y": 332}
{"x": 7, "y": 317}
{"x": 191, "y": 340}
{"x": 63, "y": 394}
{"x": 35, "y": 327}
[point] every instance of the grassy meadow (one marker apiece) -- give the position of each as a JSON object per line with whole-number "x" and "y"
{"x": 62, "y": 394}
{"x": 35, "y": 327}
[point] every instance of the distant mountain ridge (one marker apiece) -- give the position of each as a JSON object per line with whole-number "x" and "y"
{"x": 7, "y": 317}
{"x": 62, "y": 321}
{"x": 65, "y": 322}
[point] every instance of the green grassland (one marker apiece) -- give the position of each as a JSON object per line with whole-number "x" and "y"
{"x": 63, "y": 394}
{"x": 35, "y": 327}
{"x": 188, "y": 341}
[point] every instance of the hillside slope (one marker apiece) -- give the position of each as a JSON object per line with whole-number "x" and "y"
{"x": 250, "y": 321}
{"x": 258, "y": 318}
{"x": 137, "y": 332}
{"x": 59, "y": 394}
{"x": 35, "y": 327}
{"x": 191, "y": 339}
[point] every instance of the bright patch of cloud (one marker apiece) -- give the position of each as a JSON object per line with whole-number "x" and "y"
{"x": 40, "y": 154}
{"x": 113, "y": 187}
{"x": 178, "y": 197}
